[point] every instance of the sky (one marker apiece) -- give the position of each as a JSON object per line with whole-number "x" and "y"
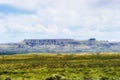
{"x": 49, "y": 19}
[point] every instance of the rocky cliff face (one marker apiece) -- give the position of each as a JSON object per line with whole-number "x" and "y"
{"x": 59, "y": 46}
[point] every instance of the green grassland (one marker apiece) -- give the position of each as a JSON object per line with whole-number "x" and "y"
{"x": 47, "y": 66}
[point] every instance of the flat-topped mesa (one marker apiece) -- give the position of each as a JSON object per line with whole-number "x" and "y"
{"x": 92, "y": 39}
{"x": 47, "y": 41}
{"x": 60, "y": 46}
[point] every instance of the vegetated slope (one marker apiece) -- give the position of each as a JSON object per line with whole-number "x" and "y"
{"x": 71, "y": 66}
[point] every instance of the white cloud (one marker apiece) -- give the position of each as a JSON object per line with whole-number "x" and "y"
{"x": 73, "y": 18}
{"x": 2, "y": 29}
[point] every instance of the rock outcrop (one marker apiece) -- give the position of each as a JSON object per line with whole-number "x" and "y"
{"x": 59, "y": 46}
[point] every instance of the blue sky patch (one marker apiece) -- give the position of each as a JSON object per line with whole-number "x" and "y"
{"x": 8, "y": 9}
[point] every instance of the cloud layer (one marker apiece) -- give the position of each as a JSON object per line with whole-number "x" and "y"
{"x": 79, "y": 19}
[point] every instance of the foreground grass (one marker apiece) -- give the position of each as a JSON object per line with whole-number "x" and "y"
{"x": 102, "y": 66}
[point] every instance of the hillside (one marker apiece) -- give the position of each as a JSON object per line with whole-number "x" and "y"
{"x": 105, "y": 66}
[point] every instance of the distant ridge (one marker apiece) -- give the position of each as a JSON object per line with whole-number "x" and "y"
{"x": 59, "y": 46}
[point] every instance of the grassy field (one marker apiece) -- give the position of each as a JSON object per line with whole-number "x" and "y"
{"x": 44, "y": 66}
